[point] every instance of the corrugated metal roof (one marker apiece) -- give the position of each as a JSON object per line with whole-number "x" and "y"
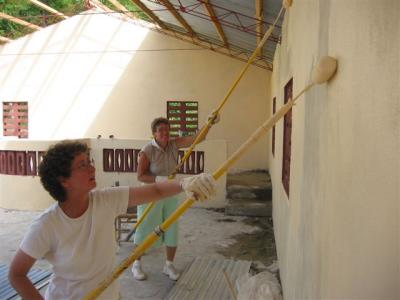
{"x": 204, "y": 279}
{"x": 229, "y": 27}
{"x": 38, "y": 277}
{"x": 236, "y": 17}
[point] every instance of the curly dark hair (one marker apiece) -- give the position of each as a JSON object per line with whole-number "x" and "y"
{"x": 158, "y": 121}
{"x": 57, "y": 163}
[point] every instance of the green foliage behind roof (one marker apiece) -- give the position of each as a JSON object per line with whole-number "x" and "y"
{"x": 130, "y": 7}
{"x": 25, "y": 10}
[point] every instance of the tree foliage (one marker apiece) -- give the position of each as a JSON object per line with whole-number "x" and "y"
{"x": 130, "y": 6}
{"x": 25, "y": 10}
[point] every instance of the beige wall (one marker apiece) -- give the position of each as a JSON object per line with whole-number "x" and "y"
{"x": 338, "y": 233}
{"x": 100, "y": 75}
{"x": 26, "y": 192}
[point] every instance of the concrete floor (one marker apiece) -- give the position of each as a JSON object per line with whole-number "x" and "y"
{"x": 204, "y": 233}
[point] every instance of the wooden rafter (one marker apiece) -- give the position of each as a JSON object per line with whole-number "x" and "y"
{"x": 217, "y": 25}
{"x": 259, "y": 26}
{"x": 122, "y": 8}
{"x": 3, "y": 39}
{"x": 98, "y": 4}
{"x": 149, "y": 13}
{"x": 48, "y": 8}
{"x": 19, "y": 21}
{"x": 177, "y": 16}
{"x": 126, "y": 13}
{"x": 239, "y": 55}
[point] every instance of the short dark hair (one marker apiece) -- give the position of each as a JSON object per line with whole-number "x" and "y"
{"x": 158, "y": 121}
{"x": 57, "y": 163}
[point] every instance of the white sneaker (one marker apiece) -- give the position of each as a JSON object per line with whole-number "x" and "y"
{"x": 171, "y": 272}
{"x": 137, "y": 271}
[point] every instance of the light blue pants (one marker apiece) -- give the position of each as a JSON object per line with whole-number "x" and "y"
{"x": 158, "y": 214}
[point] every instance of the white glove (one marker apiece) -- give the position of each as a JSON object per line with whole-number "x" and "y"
{"x": 214, "y": 117}
{"x": 160, "y": 178}
{"x": 199, "y": 187}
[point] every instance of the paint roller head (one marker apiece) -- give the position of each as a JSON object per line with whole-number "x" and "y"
{"x": 287, "y": 3}
{"x": 324, "y": 70}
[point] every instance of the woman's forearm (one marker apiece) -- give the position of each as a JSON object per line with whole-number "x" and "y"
{"x": 153, "y": 192}
{"x": 168, "y": 188}
{"x": 24, "y": 287}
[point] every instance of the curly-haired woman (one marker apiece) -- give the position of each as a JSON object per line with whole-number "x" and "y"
{"x": 76, "y": 234}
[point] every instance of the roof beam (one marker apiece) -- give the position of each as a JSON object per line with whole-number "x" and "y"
{"x": 126, "y": 12}
{"x": 3, "y": 39}
{"x": 98, "y": 4}
{"x": 48, "y": 8}
{"x": 239, "y": 55}
{"x": 19, "y": 21}
{"x": 259, "y": 24}
{"x": 177, "y": 16}
{"x": 217, "y": 25}
{"x": 149, "y": 13}
{"x": 122, "y": 8}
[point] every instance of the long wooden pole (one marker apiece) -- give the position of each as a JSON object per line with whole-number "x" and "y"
{"x": 209, "y": 123}
{"x": 152, "y": 238}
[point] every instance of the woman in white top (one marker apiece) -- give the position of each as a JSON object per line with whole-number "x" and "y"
{"x": 76, "y": 234}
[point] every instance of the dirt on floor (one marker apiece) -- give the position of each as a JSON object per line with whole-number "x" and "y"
{"x": 257, "y": 246}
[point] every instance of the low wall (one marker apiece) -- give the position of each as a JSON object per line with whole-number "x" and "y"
{"x": 115, "y": 162}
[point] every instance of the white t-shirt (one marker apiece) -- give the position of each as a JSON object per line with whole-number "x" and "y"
{"x": 81, "y": 250}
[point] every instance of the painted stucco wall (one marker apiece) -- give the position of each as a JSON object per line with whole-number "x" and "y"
{"x": 27, "y": 193}
{"x": 338, "y": 234}
{"x": 98, "y": 75}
